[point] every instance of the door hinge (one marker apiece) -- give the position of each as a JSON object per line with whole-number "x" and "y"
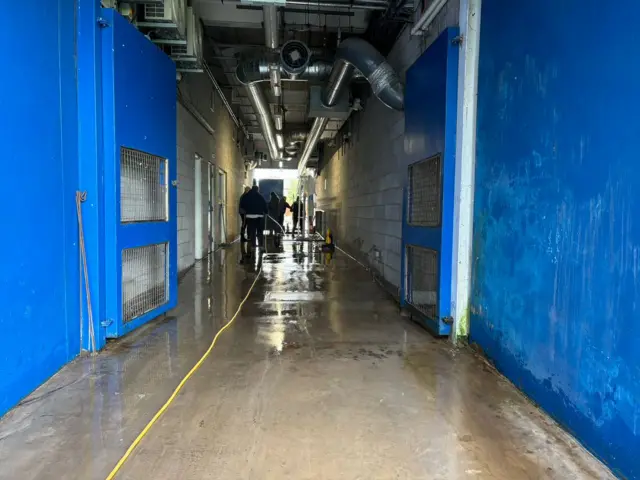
{"x": 448, "y": 320}
{"x": 174, "y": 183}
{"x": 106, "y": 323}
{"x": 457, "y": 40}
{"x": 102, "y": 22}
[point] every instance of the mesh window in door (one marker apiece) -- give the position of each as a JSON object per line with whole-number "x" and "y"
{"x": 425, "y": 192}
{"x": 144, "y": 280}
{"x": 143, "y": 187}
{"x": 422, "y": 285}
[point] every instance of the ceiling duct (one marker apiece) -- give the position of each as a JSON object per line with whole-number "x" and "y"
{"x": 259, "y": 69}
{"x": 271, "y": 29}
{"x": 355, "y": 54}
{"x": 261, "y": 108}
{"x": 295, "y": 57}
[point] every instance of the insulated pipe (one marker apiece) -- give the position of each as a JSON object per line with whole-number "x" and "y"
{"x": 355, "y": 53}
{"x": 263, "y": 112}
{"x": 384, "y": 81}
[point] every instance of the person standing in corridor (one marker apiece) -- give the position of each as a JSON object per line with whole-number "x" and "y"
{"x": 243, "y": 228}
{"x": 282, "y": 211}
{"x": 255, "y": 208}
{"x": 298, "y": 215}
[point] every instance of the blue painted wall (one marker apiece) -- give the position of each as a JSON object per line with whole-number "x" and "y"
{"x": 53, "y": 142}
{"x": 39, "y": 317}
{"x": 556, "y": 288}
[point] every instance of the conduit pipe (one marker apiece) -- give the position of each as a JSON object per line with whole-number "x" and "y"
{"x": 355, "y": 54}
{"x": 428, "y": 16}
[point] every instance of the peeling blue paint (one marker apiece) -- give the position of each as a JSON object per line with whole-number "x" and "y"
{"x": 556, "y": 293}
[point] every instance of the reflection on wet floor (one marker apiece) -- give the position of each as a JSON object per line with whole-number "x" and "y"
{"x": 319, "y": 378}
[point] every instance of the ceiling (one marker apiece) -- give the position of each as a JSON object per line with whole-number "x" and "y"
{"x": 234, "y": 31}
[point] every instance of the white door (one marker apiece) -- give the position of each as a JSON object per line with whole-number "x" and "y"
{"x": 211, "y": 207}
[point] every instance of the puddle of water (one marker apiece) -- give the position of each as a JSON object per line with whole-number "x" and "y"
{"x": 294, "y": 297}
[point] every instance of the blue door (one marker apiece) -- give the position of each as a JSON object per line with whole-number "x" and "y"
{"x": 139, "y": 108}
{"x": 268, "y": 186}
{"x": 427, "y": 226}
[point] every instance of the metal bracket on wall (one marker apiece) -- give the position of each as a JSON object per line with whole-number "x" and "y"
{"x": 102, "y": 22}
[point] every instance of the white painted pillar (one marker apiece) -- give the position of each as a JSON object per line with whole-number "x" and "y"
{"x": 199, "y": 228}
{"x": 465, "y": 166}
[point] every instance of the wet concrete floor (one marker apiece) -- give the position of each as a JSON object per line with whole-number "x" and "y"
{"x": 319, "y": 378}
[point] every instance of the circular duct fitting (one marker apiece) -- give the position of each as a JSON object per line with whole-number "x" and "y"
{"x": 291, "y": 150}
{"x": 295, "y": 57}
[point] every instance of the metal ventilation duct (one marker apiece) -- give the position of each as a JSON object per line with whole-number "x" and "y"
{"x": 294, "y": 57}
{"x": 263, "y": 112}
{"x": 270, "y": 13}
{"x": 355, "y": 54}
{"x": 256, "y": 70}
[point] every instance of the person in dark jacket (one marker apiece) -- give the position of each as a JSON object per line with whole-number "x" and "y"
{"x": 274, "y": 213}
{"x": 282, "y": 211}
{"x": 255, "y": 208}
{"x": 243, "y": 228}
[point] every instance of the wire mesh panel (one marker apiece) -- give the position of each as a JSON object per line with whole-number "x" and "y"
{"x": 154, "y": 10}
{"x": 143, "y": 187}
{"x": 144, "y": 280}
{"x": 425, "y": 192}
{"x": 422, "y": 284}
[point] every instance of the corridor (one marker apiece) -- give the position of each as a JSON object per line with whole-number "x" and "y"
{"x": 320, "y": 377}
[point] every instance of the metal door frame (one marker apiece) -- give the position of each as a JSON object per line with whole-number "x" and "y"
{"x": 211, "y": 206}
{"x": 127, "y": 124}
{"x": 428, "y": 135}
{"x": 221, "y": 204}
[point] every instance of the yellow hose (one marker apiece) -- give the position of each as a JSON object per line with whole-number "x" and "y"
{"x": 182, "y": 383}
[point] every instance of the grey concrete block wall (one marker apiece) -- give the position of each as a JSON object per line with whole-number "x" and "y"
{"x": 218, "y": 150}
{"x": 360, "y": 187}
